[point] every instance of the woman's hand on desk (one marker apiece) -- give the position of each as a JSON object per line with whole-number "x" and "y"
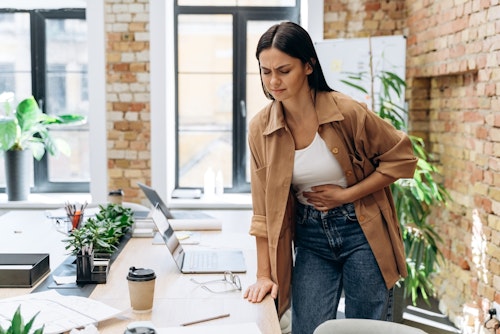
{"x": 256, "y": 292}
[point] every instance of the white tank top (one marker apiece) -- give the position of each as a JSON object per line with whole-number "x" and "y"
{"x": 315, "y": 165}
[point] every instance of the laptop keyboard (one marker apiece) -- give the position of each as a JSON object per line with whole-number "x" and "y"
{"x": 201, "y": 260}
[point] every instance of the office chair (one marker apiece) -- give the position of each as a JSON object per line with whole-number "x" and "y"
{"x": 358, "y": 326}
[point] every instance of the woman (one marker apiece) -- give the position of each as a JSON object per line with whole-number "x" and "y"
{"x": 321, "y": 167}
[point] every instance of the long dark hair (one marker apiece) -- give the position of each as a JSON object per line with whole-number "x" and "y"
{"x": 292, "y": 39}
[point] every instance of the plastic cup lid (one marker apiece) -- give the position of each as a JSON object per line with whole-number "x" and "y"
{"x": 140, "y": 274}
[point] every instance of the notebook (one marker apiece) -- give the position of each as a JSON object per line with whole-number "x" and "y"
{"x": 154, "y": 198}
{"x": 202, "y": 261}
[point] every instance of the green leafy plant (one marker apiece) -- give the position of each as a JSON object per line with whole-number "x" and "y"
{"x": 414, "y": 198}
{"x": 103, "y": 232}
{"x": 17, "y": 325}
{"x": 29, "y": 128}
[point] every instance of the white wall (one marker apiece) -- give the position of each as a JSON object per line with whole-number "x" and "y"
{"x": 162, "y": 96}
{"x": 311, "y": 17}
{"x": 97, "y": 101}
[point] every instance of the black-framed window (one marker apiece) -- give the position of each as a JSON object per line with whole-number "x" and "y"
{"x": 218, "y": 86}
{"x": 47, "y": 52}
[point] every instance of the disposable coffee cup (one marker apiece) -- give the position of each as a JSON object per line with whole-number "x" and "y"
{"x": 116, "y": 196}
{"x": 141, "y": 286}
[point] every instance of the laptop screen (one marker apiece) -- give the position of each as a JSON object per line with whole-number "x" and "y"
{"x": 155, "y": 199}
{"x": 168, "y": 235}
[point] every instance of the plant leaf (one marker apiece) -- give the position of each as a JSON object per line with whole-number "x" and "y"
{"x": 38, "y": 149}
{"x": 62, "y": 146}
{"x": 8, "y": 132}
{"x": 358, "y": 87}
{"x": 70, "y": 118}
{"x": 28, "y": 113}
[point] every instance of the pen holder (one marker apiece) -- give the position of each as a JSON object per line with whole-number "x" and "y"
{"x": 75, "y": 220}
{"x": 91, "y": 270}
{"x": 84, "y": 266}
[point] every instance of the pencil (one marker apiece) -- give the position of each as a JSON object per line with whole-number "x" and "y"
{"x": 206, "y": 319}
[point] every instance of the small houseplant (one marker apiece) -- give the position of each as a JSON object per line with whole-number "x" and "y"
{"x": 103, "y": 232}
{"x": 17, "y": 325}
{"x": 97, "y": 239}
{"x": 25, "y": 133}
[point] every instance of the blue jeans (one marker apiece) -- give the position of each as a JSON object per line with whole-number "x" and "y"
{"x": 331, "y": 255}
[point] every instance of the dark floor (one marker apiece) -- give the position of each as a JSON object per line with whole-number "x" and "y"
{"x": 428, "y": 318}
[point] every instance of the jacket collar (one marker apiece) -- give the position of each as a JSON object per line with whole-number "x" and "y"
{"x": 326, "y": 108}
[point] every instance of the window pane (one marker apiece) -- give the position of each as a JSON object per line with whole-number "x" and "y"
{"x": 67, "y": 93}
{"x": 15, "y": 58}
{"x": 15, "y": 64}
{"x": 76, "y": 167}
{"x": 205, "y": 43}
{"x": 250, "y": 3}
{"x": 205, "y": 98}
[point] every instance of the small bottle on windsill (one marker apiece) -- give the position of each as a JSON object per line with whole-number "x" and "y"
{"x": 116, "y": 196}
{"x": 219, "y": 184}
{"x": 209, "y": 183}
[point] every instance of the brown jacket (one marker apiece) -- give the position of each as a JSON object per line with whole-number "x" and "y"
{"x": 363, "y": 143}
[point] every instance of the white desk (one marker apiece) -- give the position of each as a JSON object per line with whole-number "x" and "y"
{"x": 30, "y": 232}
{"x": 177, "y": 299}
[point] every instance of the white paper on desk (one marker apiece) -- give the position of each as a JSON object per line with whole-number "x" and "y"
{"x": 58, "y": 313}
{"x": 243, "y": 328}
{"x": 185, "y": 238}
{"x": 198, "y": 224}
{"x": 64, "y": 279}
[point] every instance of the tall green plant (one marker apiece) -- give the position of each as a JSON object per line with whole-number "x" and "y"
{"x": 414, "y": 198}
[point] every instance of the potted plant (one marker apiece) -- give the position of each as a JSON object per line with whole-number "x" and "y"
{"x": 25, "y": 133}
{"x": 103, "y": 232}
{"x": 17, "y": 325}
{"x": 414, "y": 198}
{"x": 97, "y": 239}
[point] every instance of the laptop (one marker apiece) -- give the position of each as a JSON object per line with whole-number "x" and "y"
{"x": 155, "y": 199}
{"x": 202, "y": 261}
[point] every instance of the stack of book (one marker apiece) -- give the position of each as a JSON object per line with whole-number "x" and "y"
{"x": 143, "y": 228}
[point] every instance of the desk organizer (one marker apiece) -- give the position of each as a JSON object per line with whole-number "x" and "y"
{"x": 90, "y": 270}
{"x": 22, "y": 270}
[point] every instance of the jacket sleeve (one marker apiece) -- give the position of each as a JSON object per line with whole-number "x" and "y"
{"x": 389, "y": 150}
{"x": 258, "y": 175}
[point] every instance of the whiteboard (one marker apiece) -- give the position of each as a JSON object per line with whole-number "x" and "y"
{"x": 340, "y": 56}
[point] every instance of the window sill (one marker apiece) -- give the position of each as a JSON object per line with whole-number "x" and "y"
{"x": 57, "y": 200}
{"x": 43, "y": 201}
{"x": 225, "y": 201}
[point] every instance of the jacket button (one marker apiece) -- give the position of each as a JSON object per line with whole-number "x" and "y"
{"x": 335, "y": 150}
{"x": 361, "y": 218}
{"x": 348, "y": 173}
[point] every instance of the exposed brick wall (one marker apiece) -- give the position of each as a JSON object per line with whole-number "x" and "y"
{"x": 348, "y": 19}
{"x": 453, "y": 121}
{"x": 453, "y": 88}
{"x": 127, "y": 95}
{"x": 454, "y": 44}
